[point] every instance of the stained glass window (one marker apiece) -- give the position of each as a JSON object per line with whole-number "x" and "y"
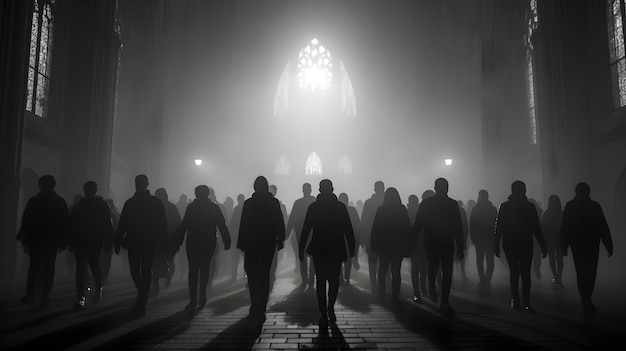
{"x": 40, "y": 59}
{"x": 314, "y": 66}
{"x": 617, "y": 53}
{"x": 532, "y": 22}
{"x": 313, "y": 164}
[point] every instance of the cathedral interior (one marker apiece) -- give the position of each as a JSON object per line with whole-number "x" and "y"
{"x": 190, "y": 92}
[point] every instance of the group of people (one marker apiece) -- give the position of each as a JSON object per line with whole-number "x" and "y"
{"x": 328, "y": 232}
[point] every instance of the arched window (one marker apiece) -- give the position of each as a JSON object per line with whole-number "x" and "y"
{"x": 313, "y": 164}
{"x": 314, "y": 66}
{"x": 345, "y": 165}
{"x": 39, "y": 64}
{"x": 532, "y": 21}
{"x": 617, "y": 54}
{"x": 282, "y": 166}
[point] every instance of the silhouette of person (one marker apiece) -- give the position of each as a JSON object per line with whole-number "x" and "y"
{"x": 233, "y": 228}
{"x": 261, "y": 233}
{"x": 143, "y": 224}
{"x": 329, "y": 221}
{"x": 583, "y": 228}
{"x": 551, "y": 227}
{"x": 481, "y": 230}
{"x": 419, "y": 259}
{"x": 465, "y": 223}
{"x": 295, "y": 222}
{"x": 164, "y": 264}
{"x": 107, "y": 245}
{"x": 91, "y": 227}
{"x": 181, "y": 257}
{"x": 201, "y": 221}
{"x": 536, "y": 248}
{"x": 273, "y": 189}
{"x": 216, "y": 263}
{"x": 356, "y": 224}
{"x": 440, "y": 219}
{"x": 367, "y": 219}
{"x": 43, "y": 233}
{"x": 390, "y": 241}
{"x": 516, "y": 224}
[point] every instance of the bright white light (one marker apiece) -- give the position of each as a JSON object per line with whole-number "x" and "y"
{"x": 313, "y": 164}
{"x": 448, "y": 161}
{"x": 198, "y": 162}
{"x": 314, "y": 66}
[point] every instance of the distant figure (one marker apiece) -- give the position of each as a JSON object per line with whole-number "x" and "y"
{"x": 181, "y": 257}
{"x": 536, "y": 248}
{"x": 201, "y": 221}
{"x": 261, "y": 233}
{"x": 583, "y": 228}
{"x": 356, "y": 224}
{"x": 182, "y": 204}
{"x": 367, "y": 219}
{"x": 295, "y": 222}
{"x": 390, "y": 241}
{"x": 164, "y": 263}
{"x": 228, "y": 205}
{"x": 440, "y": 218}
{"x": 91, "y": 227}
{"x": 107, "y": 245}
{"x": 233, "y": 228}
{"x": 218, "y": 259}
{"x": 329, "y": 221}
{"x": 481, "y": 230}
{"x": 516, "y": 224}
{"x": 44, "y": 231}
{"x": 279, "y": 254}
{"x": 143, "y": 224}
{"x": 551, "y": 227}
{"x": 419, "y": 261}
{"x": 465, "y": 222}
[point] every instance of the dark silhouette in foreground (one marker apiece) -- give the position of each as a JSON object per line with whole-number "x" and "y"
{"x": 164, "y": 263}
{"x": 261, "y": 234}
{"x": 356, "y": 224}
{"x": 142, "y": 226}
{"x": 390, "y": 241}
{"x": 201, "y": 221}
{"x": 516, "y": 225}
{"x": 233, "y": 228}
{"x": 583, "y": 228}
{"x": 440, "y": 219}
{"x": 44, "y": 232}
{"x": 367, "y": 219}
{"x": 328, "y": 224}
{"x": 91, "y": 227}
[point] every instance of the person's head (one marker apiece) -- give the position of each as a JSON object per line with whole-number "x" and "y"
{"x": 306, "y": 188}
{"x": 261, "y": 185}
{"x": 518, "y": 188}
{"x": 141, "y": 182}
{"x": 90, "y": 188}
{"x": 161, "y": 194}
{"x": 392, "y": 197}
{"x": 212, "y": 195}
{"x": 554, "y": 203}
{"x": 583, "y": 190}
{"x": 343, "y": 198}
{"x": 379, "y": 187}
{"x": 441, "y": 186}
{"x": 413, "y": 199}
{"x": 326, "y": 186}
{"x": 483, "y": 195}
{"x": 428, "y": 193}
{"x": 241, "y": 198}
{"x": 47, "y": 182}
{"x": 273, "y": 189}
{"x": 183, "y": 198}
{"x": 202, "y": 192}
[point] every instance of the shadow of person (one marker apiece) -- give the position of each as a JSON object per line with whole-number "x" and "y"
{"x": 328, "y": 341}
{"x": 355, "y": 299}
{"x": 241, "y": 335}
{"x": 307, "y": 311}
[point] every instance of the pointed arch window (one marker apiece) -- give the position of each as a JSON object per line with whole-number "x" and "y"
{"x": 532, "y": 22}
{"x": 313, "y": 164}
{"x": 617, "y": 53}
{"x": 40, "y": 58}
{"x": 315, "y": 66}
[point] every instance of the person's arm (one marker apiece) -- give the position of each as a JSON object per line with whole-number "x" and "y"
{"x": 459, "y": 236}
{"x": 221, "y": 225}
{"x": 280, "y": 227}
{"x": 537, "y": 232}
{"x": 306, "y": 231}
{"x": 348, "y": 231}
{"x": 244, "y": 228}
{"x": 497, "y": 233}
{"x": 605, "y": 232}
{"x": 122, "y": 226}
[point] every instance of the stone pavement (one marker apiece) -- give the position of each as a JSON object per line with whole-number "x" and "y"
{"x": 483, "y": 319}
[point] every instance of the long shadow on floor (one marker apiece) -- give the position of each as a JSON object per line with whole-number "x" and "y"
{"x": 241, "y": 335}
{"x": 328, "y": 341}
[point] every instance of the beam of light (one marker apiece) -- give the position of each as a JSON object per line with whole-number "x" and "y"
{"x": 314, "y": 66}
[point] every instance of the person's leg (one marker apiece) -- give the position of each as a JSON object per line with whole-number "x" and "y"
{"x": 79, "y": 276}
{"x": 480, "y": 258}
{"x": 372, "y": 260}
{"x": 194, "y": 268}
{"x": 433, "y": 271}
{"x": 146, "y": 261}
{"x": 321, "y": 277}
{"x": 347, "y": 268}
{"x": 559, "y": 266}
{"x": 333, "y": 269}
{"x": 513, "y": 262}
{"x": 133, "y": 264}
{"x": 251, "y": 266}
{"x": 396, "y": 282}
{"x": 93, "y": 256}
{"x": 311, "y": 273}
{"x": 415, "y": 276}
{"x": 526, "y": 262}
{"x": 265, "y": 272}
{"x": 205, "y": 265}
{"x": 383, "y": 268}
{"x": 447, "y": 264}
{"x": 489, "y": 259}
{"x": 552, "y": 263}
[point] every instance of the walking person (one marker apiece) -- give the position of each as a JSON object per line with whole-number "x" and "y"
{"x": 328, "y": 224}
{"x": 142, "y": 226}
{"x": 481, "y": 230}
{"x": 440, "y": 219}
{"x": 516, "y": 225}
{"x": 367, "y": 219}
{"x": 91, "y": 227}
{"x": 390, "y": 241}
{"x": 551, "y": 227}
{"x": 261, "y": 234}
{"x": 583, "y": 228}
{"x": 44, "y": 232}
{"x": 200, "y": 223}
{"x": 295, "y": 222}
{"x": 356, "y": 222}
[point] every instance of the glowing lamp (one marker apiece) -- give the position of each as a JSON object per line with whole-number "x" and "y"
{"x": 198, "y": 162}
{"x": 448, "y": 161}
